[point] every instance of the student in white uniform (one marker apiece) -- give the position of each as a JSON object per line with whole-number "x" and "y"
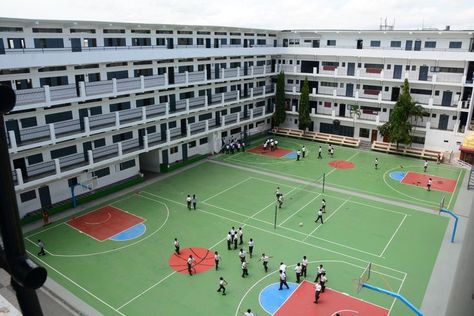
{"x": 176, "y": 246}
{"x": 229, "y": 241}
{"x": 425, "y": 165}
{"x": 242, "y": 255}
{"x": 282, "y": 267}
{"x": 265, "y": 260}
{"x": 250, "y": 247}
{"x": 320, "y": 272}
{"x": 323, "y": 281}
{"x": 217, "y": 259}
{"x": 248, "y": 313}
{"x": 245, "y": 271}
{"x": 240, "y": 234}
{"x": 317, "y": 292}
{"x": 190, "y": 262}
{"x": 222, "y": 284}
{"x": 430, "y": 182}
{"x": 320, "y": 216}
{"x": 298, "y": 270}
{"x": 188, "y": 201}
{"x": 304, "y": 266}
{"x": 283, "y": 280}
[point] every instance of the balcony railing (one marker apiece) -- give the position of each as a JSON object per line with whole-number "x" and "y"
{"x": 49, "y": 96}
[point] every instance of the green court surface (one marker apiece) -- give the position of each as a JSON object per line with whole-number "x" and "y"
{"x": 134, "y": 277}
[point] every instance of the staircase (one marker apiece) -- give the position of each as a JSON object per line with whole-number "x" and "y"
{"x": 365, "y": 145}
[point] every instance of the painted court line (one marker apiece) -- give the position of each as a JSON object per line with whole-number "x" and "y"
{"x": 268, "y": 223}
{"x": 399, "y": 289}
{"x": 76, "y": 284}
{"x": 229, "y": 188}
{"x": 386, "y": 246}
{"x": 289, "y": 217}
{"x": 329, "y": 217}
{"x": 457, "y": 182}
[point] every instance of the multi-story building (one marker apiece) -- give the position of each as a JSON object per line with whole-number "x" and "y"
{"x": 103, "y": 101}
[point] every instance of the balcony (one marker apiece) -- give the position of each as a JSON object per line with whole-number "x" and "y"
{"x": 48, "y": 134}
{"x": 49, "y": 96}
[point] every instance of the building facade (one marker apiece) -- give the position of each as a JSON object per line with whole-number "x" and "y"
{"x": 103, "y": 101}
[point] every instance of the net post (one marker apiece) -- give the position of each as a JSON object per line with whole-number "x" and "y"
{"x": 276, "y": 212}
{"x": 324, "y": 180}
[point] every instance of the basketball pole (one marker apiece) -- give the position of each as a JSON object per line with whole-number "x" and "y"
{"x": 276, "y": 212}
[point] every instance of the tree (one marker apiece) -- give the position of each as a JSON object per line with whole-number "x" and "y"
{"x": 304, "y": 120}
{"x": 354, "y": 112}
{"x": 280, "y": 112}
{"x": 400, "y": 123}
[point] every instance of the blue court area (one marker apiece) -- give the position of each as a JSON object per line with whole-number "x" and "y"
{"x": 398, "y": 175}
{"x": 131, "y": 233}
{"x": 271, "y": 298}
{"x": 291, "y": 155}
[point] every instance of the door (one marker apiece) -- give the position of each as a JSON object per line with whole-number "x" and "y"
{"x": 350, "y": 69}
{"x": 21, "y": 164}
{"x": 82, "y": 114}
{"x": 183, "y": 126}
{"x": 409, "y": 45}
{"x": 246, "y": 43}
{"x": 246, "y": 90}
{"x": 417, "y": 45}
{"x": 170, "y": 75}
{"x": 172, "y": 100}
{"x": 397, "y": 72}
{"x": 208, "y": 71}
{"x": 163, "y": 129}
{"x": 349, "y": 90}
{"x": 342, "y": 110}
{"x": 76, "y": 44}
{"x": 208, "y": 43}
{"x": 423, "y": 73}
{"x": 447, "y": 97}
{"x": 86, "y": 146}
{"x": 164, "y": 155}
{"x": 443, "y": 122}
{"x": 360, "y": 43}
{"x": 216, "y": 71}
{"x": 78, "y": 78}
{"x": 246, "y": 68}
{"x": 2, "y": 48}
{"x": 218, "y": 118}
{"x": 395, "y": 94}
{"x": 141, "y": 135}
{"x": 373, "y": 136}
{"x": 316, "y": 43}
{"x": 170, "y": 43}
{"x": 184, "y": 148}
{"x": 45, "y": 196}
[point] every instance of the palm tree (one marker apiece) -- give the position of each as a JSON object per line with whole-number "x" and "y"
{"x": 354, "y": 112}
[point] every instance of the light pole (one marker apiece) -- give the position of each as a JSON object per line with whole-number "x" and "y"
{"x": 26, "y": 276}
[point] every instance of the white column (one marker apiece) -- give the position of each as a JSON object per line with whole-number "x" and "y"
{"x": 47, "y": 94}
{"x": 166, "y": 79}
{"x": 222, "y": 120}
{"x": 143, "y": 114}
{"x": 87, "y": 128}
{"x": 91, "y": 157}
{"x": 188, "y": 130}
{"x": 206, "y": 101}
{"x": 251, "y": 71}
{"x": 313, "y": 111}
{"x": 238, "y": 117}
{"x": 13, "y": 144}
{"x": 222, "y": 73}
{"x": 222, "y": 98}
{"x": 142, "y": 83}
{"x": 251, "y": 114}
{"x": 19, "y": 176}
{"x": 238, "y": 95}
{"x": 333, "y": 113}
{"x": 120, "y": 150}
{"x": 57, "y": 166}
{"x": 207, "y": 125}
{"x": 52, "y": 134}
{"x": 145, "y": 142}
{"x": 114, "y": 86}
{"x": 264, "y": 90}
{"x": 186, "y": 75}
{"x": 82, "y": 90}
{"x": 238, "y": 72}
{"x": 117, "y": 120}
{"x": 168, "y": 136}
{"x": 293, "y": 108}
{"x": 251, "y": 93}
{"x": 167, "y": 109}
{"x": 187, "y": 106}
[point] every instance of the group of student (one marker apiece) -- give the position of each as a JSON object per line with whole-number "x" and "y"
{"x": 270, "y": 143}
{"x": 233, "y": 145}
{"x": 191, "y": 202}
{"x": 234, "y": 236}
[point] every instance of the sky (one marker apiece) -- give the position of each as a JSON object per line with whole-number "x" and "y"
{"x": 266, "y": 14}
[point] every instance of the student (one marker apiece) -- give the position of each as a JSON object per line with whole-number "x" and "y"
{"x": 298, "y": 270}
{"x": 190, "y": 264}
{"x": 235, "y": 241}
{"x": 176, "y": 246}
{"x": 222, "y": 284}
{"x": 323, "y": 205}
{"x": 242, "y": 255}
{"x": 320, "y": 216}
{"x": 45, "y": 215}
{"x": 298, "y": 154}
{"x": 425, "y": 165}
{"x": 229, "y": 240}
{"x": 40, "y": 244}
{"x": 319, "y": 153}
{"x": 188, "y": 201}
{"x": 240, "y": 233}
{"x": 265, "y": 260}
{"x": 376, "y": 163}
{"x": 332, "y": 152}
{"x": 280, "y": 200}
{"x": 245, "y": 271}
{"x": 250, "y": 247}
{"x": 317, "y": 292}
{"x": 320, "y": 272}
{"x": 265, "y": 145}
{"x": 304, "y": 266}
{"x": 217, "y": 259}
{"x": 243, "y": 146}
{"x": 194, "y": 201}
{"x": 438, "y": 159}
{"x": 248, "y": 313}
{"x": 283, "y": 280}
{"x": 430, "y": 182}
{"x": 233, "y": 233}
{"x": 303, "y": 150}
{"x": 276, "y": 144}
{"x": 323, "y": 281}
{"x": 278, "y": 192}
{"x": 272, "y": 145}
{"x": 282, "y": 267}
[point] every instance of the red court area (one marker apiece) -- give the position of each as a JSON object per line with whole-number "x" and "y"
{"x": 279, "y": 152}
{"x": 342, "y": 164}
{"x": 421, "y": 179}
{"x": 104, "y": 222}
{"x": 330, "y": 303}
{"x": 203, "y": 260}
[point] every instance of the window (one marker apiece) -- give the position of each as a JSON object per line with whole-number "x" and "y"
{"x": 113, "y": 31}
{"x": 235, "y": 41}
{"x": 99, "y": 143}
{"x": 203, "y": 141}
{"x": 430, "y": 44}
{"x": 192, "y": 144}
{"x": 127, "y": 164}
{"x": 185, "y": 41}
{"x": 35, "y": 159}
{"x": 164, "y": 32}
{"x": 101, "y": 172}
{"x": 28, "y": 196}
{"x": 16, "y": 43}
{"x": 122, "y": 137}
{"x": 66, "y": 151}
{"x": 413, "y": 67}
{"x": 160, "y": 41}
{"x": 447, "y": 69}
{"x": 418, "y": 139}
{"x": 364, "y": 132}
{"x": 374, "y": 43}
{"x": 10, "y": 29}
{"x": 90, "y": 31}
{"x": 28, "y": 122}
{"x": 46, "y": 30}
{"x": 139, "y": 41}
{"x": 114, "y": 41}
{"x": 420, "y": 91}
{"x": 173, "y": 150}
{"x": 328, "y": 84}
{"x": 200, "y": 41}
{"x": 455, "y": 44}
{"x": 396, "y": 44}
{"x": 72, "y": 182}
{"x": 49, "y": 43}
{"x": 58, "y": 117}
{"x": 141, "y": 31}
{"x": 331, "y": 43}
